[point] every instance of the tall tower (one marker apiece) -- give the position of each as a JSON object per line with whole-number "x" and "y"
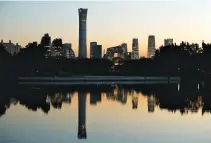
{"x": 151, "y": 46}
{"x": 82, "y": 115}
{"x": 135, "y": 50}
{"x": 82, "y": 50}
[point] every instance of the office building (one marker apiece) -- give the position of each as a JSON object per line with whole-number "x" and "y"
{"x": 151, "y": 46}
{"x": 114, "y": 52}
{"x": 125, "y": 51}
{"x": 68, "y": 51}
{"x": 135, "y": 49}
{"x": 82, "y": 50}
{"x": 57, "y": 48}
{"x": 92, "y": 44}
{"x": 168, "y": 42}
{"x": 97, "y": 52}
{"x": 11, "y": 48}
{"x": 46, "y": 43}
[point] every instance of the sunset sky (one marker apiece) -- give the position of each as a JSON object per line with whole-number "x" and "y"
{"x": 109, "y": 23}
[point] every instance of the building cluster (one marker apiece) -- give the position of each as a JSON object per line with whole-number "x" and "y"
{"x": 11, "y": 48}
{"x": 57, "y": 49}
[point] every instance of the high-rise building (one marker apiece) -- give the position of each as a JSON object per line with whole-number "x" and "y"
{"x": 57, "y": 48}
{"x": 168, "y": 42}
{"x": 46, "y": 43}
{"x": 124, "y": 48}
{"x": 82, "y": 115}
{"x": 135, "y": 49}
{"x": 97, "y": 52}
{"x": 114, "y": 52}
{"x": 68, "y": 51}
{"x": 92, "y": 44}
{"x": 151, "y": 46}
{"x": 11, "y": 48}
{"x": 82, "y": 50}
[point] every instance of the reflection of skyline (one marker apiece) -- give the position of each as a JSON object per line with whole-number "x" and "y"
{"x": 151, "y": 99}
{"x": 161, "y": 96}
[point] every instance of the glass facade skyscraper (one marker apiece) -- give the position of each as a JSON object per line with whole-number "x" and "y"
{"x": 82, "y": 50}
{"x": 151, "y": 46}
{"x": 135, "y": 49}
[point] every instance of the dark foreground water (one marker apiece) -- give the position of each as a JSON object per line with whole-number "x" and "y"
{"x": 159, "y": 113}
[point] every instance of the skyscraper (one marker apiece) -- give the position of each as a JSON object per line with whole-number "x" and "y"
{"x": 46, "y": 43}
{"x": 82, "y": 115}
{"x": 124, "y": 48}
{"x": 82, "y": 50}
{"x": 135, "y": 50}
{"x": 151, "y": 46}
{"x": 57, "y": 48}
{"x": 97, "y": 52}
{"x": 168, "y": 42}
{"x": 68, "y": 51}
{"x": 92, "y": 44}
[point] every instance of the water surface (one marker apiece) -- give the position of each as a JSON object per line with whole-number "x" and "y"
{"x": 167, "y": 113}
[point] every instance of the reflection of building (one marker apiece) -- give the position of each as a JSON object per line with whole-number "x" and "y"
{"x": 151, "y": 103}
{"x": 67, "y": 97}
{"x": 135, "y": 50}
{"x": 168, "y": 42}
{"x": 56, "y": 100}
{"x": 11, "y": 48}
{"x": 151, "y": 46}
{"x": 82, "y": 50}
{"x": 82, "y": 115}
{"x": 195, "y": 105}
{"x": 95, "y": 97}
{"x": 122, "y": 96}
{"x": 68, "y": 51}
{"x": 134, "y": 100}
{"x": 118, "y": 94}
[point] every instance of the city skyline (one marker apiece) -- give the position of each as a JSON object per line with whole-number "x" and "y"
{"x": 187, "y": 24}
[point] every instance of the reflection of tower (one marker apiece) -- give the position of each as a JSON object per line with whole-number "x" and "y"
{"x": 151, "y": 103}
{"x": 82, "y": 115}
{"x": 82, "y": 50}
{"x": 134, "y": 100}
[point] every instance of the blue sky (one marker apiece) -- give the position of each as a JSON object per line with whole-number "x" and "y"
{"x": 108, "y": 22}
